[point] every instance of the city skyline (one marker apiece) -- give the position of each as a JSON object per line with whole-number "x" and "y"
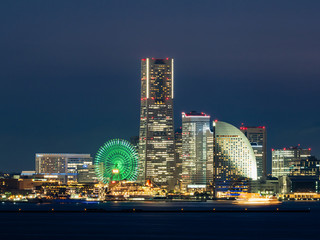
{"x": 164, "y": 98}
{"x": 69, "y": 85}
{"x": 155, "y": 119}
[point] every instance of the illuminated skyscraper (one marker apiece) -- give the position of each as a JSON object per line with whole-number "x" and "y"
{"x": 284, "y": 160}
{"x": 234, "y": 158}
{"x": 156, "y": 140}
{"x": 197, "y": 151}
{"x": 257, "y": 136}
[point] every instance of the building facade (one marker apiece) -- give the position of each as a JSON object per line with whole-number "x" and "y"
{"x": 197, "y": 151}
{"x": 309, "y": 166}
{"x": 234, "y": 159}
{"x": 178, "y": 156}
{"x": 61, "y": 164}
{"x": 156, "y": 136}
{"x": 284, "y": 160}
{"x": 257, "y": 136}
{"x": 87, "y": 174}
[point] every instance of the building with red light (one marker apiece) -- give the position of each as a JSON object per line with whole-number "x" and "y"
{"x": 284, "y": 160}
{"x": 257, "y": 136}
{"x": 156, "y": 136}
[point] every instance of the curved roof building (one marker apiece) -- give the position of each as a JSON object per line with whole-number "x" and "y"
{"x": 234, "y": 156}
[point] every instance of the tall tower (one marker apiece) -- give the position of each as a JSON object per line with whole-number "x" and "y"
{"x": 156, "y": 140}
{"x": 257, "y": 136}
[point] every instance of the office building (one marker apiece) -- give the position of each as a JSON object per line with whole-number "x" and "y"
{"x": 86, "y": 174}
{"x": 234, "y": 160}
{"x": 309, "y": 166}
{"x": 63, "y": 164}
{"x": 257, "y": 136}
{"x": 197, "y": 151}
{"x": 156, "y": 137}
{"x": 284, "y": 160}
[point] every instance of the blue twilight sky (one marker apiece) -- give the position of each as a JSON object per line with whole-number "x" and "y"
{"x": 70, "y": 70}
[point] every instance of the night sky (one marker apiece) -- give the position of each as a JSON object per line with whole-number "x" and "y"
{"x": 70, "y": 70}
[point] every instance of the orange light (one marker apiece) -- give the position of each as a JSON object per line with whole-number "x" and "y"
{"x": 115, "y": 170}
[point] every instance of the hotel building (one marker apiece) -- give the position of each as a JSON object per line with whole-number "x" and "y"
{"x": 234, "y": 161}
{"x": 61, "y": 164}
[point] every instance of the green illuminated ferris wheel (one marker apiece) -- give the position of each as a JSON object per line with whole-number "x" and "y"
{"x": 116, "y": 160}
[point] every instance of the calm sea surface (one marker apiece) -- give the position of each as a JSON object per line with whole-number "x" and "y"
{"x": 160, "y": 225}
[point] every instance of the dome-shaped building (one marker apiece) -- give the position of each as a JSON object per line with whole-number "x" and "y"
{"x": 234, "y": 156}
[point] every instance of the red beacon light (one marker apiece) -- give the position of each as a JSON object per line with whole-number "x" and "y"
{"x": 309, "y": 149}
{"x": 143, "y": 59}
{"x": 284, "y": 149}
{"x": 272, "y": 149}
{"x": 216, "y": 120}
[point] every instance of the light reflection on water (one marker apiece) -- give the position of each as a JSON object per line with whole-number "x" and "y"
{"x": 160, "y": 225}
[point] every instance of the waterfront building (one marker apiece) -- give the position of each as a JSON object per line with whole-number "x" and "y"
{"x": 62, "y": 164}
{"x": 87, "y": 174}
{"x": 156, "y": 137}
{"x": 197, "y": 151}
{"x": 284, "y": 160}
{"x": 299, "y": 184}
{"x": 309, "y": 166}
{"x": 234, "y": 161}
{"x": 257, "y": 136}
{"x": 264, "y": 186}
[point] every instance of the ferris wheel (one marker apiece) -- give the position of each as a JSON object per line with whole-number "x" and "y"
{"x": 116, "y": 160}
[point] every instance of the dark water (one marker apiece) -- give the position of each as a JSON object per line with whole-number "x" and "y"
{"x": 160, "y": 225}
